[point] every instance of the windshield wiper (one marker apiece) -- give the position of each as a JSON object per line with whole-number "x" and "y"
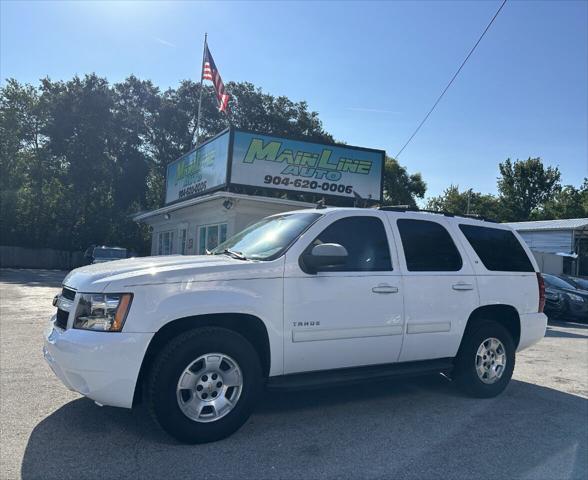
{"x": 232, "y": 253}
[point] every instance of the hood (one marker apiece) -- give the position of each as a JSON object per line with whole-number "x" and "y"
{"x": 577, "y": 291}
{"x": 554, "y": 291}
{"x": 164, "y": 269}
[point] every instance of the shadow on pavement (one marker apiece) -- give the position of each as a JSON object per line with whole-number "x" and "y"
{"x": 418, "y": 428}
{"x": 550, "y": 332}
{"x": 570, "y": 324}
{"x": 32, "y": 278}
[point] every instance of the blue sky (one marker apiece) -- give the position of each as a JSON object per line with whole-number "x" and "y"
{"x": 371, "y": 70}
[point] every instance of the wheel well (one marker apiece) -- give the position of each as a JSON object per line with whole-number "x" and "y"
{"x": 250, "y": 326}
{"x": 506, "y": 315}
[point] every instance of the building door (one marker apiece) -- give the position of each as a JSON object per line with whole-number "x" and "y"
{"x": 183, "y": 241}
{"x": 165, "y": 243}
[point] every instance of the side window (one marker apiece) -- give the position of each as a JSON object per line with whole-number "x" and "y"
{"x": 365, "y": 240}
{"x": 498, "y": 249}
{"x": 428, "y": 247}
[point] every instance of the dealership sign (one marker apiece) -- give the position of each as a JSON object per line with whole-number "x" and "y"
{"x": 199, "y": 171}
{"x": 273, "y": 162}
{"x": 251, "y": 159}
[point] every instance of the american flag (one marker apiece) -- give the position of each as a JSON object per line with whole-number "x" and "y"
{"x": 210, "y": 72}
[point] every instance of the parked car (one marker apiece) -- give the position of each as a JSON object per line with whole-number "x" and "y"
{"x": 103, "y": 254}
{"x": 310, "y": 298}
{"x": 581, "y": 283}
{"x": 565, "y": 299}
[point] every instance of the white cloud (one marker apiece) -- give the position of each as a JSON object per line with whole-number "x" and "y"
{"x": 164, "y": 42}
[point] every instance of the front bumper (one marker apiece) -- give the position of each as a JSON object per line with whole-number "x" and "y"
{"x": 102, "y": 366}
{"x": 533, "y": 326}
{"x": 578, "y": 310}
{"x": 567, "y": 309}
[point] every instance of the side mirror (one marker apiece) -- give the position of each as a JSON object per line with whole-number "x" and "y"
{"x": 324, "y": 256}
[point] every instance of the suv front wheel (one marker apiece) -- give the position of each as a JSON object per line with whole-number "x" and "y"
{"x": 486, "y": 360}
{"x": 204, "y": 384}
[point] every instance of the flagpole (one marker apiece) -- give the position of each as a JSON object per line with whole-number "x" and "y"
{"x": 201, "y": 90}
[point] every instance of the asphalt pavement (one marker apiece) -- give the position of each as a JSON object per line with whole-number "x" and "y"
{"x": 418, "y": 428}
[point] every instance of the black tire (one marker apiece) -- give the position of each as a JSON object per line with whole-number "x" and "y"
{"x": 171, "y": 361}
{"x": 465, "y": 373}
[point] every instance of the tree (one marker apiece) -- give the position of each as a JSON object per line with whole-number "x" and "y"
{"x": 525, "y": 185}
{"x": 23, "y": 162}
{"x": 467, "y": 201}
{"x": 252, "y": 109}
{"x": 78, "y": 157}
{"x": 400, "y": 187}
{"x": 567, "y": 202}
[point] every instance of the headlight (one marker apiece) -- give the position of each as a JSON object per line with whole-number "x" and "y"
{"x": 103, "y": 312}
{"x": 575, "y": 298}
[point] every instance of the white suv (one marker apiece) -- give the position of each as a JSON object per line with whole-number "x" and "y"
{"x": 301, "y": 299}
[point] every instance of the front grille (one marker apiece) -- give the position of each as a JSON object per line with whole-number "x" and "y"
{"x": 68, "y": 293}
{"x": 61, "y": 320}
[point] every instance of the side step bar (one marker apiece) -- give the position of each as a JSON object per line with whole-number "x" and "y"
{"x": 344, "y": 376}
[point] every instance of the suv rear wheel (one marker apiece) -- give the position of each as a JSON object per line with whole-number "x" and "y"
{"x": 204, "y": 384}
{"x": 486, "y": 359}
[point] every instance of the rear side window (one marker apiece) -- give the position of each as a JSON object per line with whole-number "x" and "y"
{"x": 498, "y": 249}
{"x": 365, "y": 240}
{"x": 428, "y": 247}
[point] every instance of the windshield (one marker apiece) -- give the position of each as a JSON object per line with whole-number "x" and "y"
{"x": 268, "y": 238}
{"x": 557, "y": 282}
{"x": 110, "y": 253}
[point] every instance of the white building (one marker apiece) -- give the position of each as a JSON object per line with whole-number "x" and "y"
{"x": 195, "y": 225}
{"x": 560, "y": 246}
{"x": 239, "y": 177}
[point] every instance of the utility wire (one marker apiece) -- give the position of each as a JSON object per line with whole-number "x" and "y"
{"x": 452, "y": 79}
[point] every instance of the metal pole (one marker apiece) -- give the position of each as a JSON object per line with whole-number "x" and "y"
{"x": 201, "y": 90}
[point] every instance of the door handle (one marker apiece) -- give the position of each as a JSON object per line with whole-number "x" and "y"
{"x": 383, "y": 288}
{"x": 462, "y": 286}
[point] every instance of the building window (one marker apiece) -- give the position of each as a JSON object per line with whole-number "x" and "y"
{"x": 165, "y": 243}
{"x": 210, "y": 236}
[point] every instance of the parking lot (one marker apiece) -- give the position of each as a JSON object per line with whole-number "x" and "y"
{"x": 420, "y": 428}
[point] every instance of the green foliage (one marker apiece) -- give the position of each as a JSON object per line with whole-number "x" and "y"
{"x": 77, "y": 158}
{"x": 567, "y": 202}
{"x": 525, "y": 185}
{"x": 401, "y": 188}
{"x": 527, "y": 191}
{"x": 467, "y": 201}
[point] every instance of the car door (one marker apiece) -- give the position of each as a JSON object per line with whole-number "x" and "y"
{"x": 350, "y": 315}
{"x": 440, "y": 289}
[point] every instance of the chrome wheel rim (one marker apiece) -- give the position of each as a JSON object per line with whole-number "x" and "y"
{"x": 490, "y": 360}
{"x": 209, "y": 387}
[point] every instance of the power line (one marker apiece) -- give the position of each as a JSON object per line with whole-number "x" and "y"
{"x": 452, "y": 79}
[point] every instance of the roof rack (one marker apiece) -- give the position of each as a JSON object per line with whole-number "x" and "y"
{"x": 402, "y": 208}
{"x": 321, "y": 204}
